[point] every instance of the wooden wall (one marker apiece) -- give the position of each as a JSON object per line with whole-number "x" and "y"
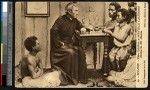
{"x": 40, "y": 26}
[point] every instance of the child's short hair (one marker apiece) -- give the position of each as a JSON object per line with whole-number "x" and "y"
{"x": 116, "y": 5}
{"x": 131, "y": 4}
{"x": 125, "y": 14}
{"x": 30, "y": 42}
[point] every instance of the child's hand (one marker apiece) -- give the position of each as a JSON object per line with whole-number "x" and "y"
{"x": 107, "y": 31}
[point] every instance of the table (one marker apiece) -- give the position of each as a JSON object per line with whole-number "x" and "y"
{"x": 93, "y": 38}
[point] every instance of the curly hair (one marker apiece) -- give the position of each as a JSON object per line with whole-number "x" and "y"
{"x": 116, "y": 5}
{"x": 30, "y": 42}
{"x": 131, "y": 4}
{"x": 125, "y": 13}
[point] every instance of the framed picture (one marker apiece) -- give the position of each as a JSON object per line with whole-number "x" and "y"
{"x": 37, "y": 9}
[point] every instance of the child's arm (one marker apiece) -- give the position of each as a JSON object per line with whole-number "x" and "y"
{"x": 40, "y": 66}
{"x": 31, "y": 67}
{"x": 121, "y": 37}
{"x": 107, "y": 29}
{"x": 111, "y": 27}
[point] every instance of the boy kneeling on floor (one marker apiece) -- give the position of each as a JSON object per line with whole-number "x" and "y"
{"x": 30, "y": 70}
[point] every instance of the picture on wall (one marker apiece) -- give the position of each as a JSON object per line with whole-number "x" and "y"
{"x": 37, "y": 9}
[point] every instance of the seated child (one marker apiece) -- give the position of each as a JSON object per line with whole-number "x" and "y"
{"x": 122, "y": 37}
{"x": 128, "y": 76}
{"x": 30, "y": 69}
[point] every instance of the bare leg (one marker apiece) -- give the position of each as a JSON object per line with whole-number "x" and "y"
{"x": 47, "y": 80}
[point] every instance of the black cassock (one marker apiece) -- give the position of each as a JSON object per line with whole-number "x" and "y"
{"x": 70, "y": 58}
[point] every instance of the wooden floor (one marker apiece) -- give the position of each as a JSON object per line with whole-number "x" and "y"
{"x": 93, "y": 76}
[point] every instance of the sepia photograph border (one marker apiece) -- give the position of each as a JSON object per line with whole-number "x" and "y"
{"x": 13, "y": 49}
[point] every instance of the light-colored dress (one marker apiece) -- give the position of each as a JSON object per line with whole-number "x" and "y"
{"x": 128, "y": 76}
